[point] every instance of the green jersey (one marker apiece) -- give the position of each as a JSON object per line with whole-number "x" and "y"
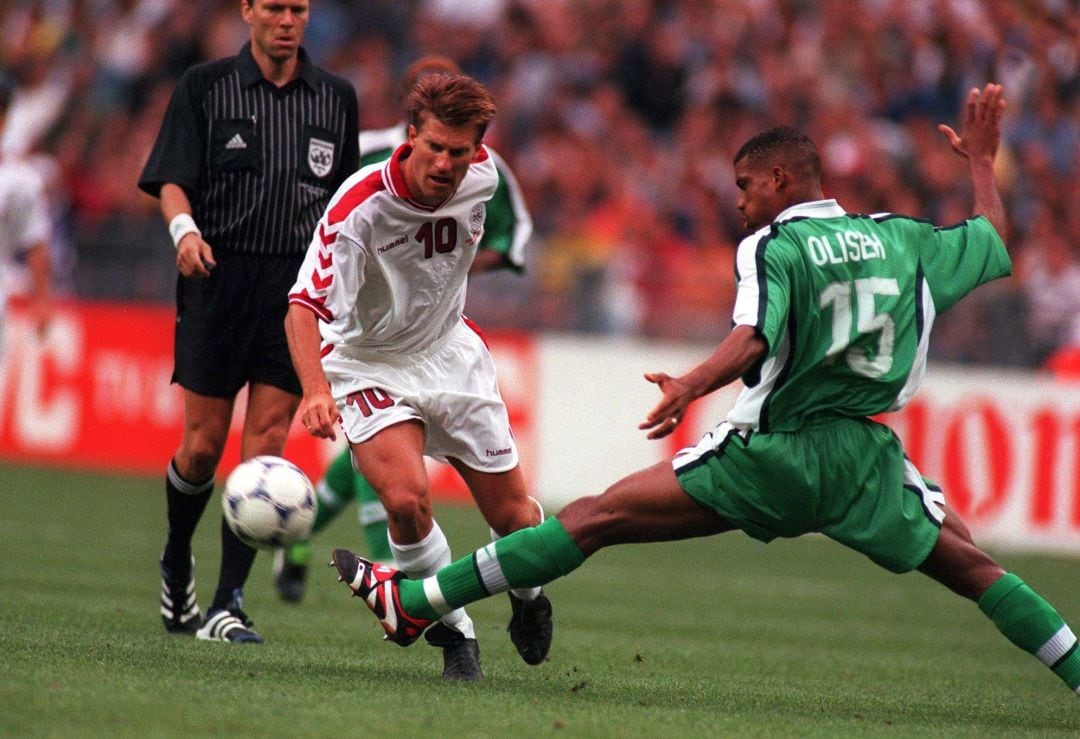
{"x": 508, "y": 226}
{"x": 846, "y": 303}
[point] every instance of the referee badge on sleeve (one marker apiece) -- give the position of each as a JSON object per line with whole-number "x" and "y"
{"x": 320, "y": 156}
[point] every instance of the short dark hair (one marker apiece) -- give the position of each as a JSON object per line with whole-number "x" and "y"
{"x": 789, "y": 144}
{"x": 454, "y": 99}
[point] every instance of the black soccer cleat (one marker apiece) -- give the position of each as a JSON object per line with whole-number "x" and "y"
{"x": 229, "y": 625}
{"x": 179, "y": 608}
{"x": 531, "y": 627}
{"x": 288, "y": 577}
{"x": 461, "y": 655}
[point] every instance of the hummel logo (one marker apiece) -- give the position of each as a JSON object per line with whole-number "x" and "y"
{"x": 236, "y": 143}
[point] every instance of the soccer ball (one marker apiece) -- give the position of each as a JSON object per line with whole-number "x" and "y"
{"x": 269, "y": 502}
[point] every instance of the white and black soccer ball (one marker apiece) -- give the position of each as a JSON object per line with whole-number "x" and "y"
{"x": 269, "y": 502}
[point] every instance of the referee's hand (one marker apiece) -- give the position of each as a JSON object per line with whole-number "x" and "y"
{"x": 194, "y": 257}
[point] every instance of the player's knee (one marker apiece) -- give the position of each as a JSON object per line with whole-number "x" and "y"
{"x": 197, "y": 458}
{"x": 404, "y": 502}
{"x": 268, "y": 440}
{"x": 514, "y": 515}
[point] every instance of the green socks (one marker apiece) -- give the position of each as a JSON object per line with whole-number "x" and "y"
{"x": 340, "y": 484}
{"x": 524, "y": 559}
{"x": 1032, "y": 624}
{"x": 372, "y": 520}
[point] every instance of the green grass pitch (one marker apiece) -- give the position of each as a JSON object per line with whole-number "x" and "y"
{"x": 713, "y": 637}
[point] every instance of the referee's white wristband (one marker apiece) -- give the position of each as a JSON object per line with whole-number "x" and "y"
{"x": 180, "y": 226}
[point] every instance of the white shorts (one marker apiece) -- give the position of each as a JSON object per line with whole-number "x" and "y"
{"x": 451, "y": 388}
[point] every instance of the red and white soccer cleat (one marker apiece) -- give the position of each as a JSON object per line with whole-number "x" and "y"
{"x": 377, "y": 584}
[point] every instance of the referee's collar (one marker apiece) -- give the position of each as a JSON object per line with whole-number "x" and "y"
{"x": 250, "y": 72}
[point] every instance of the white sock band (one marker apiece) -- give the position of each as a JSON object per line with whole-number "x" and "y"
{"x": 185, "y": 487}
{"x": 1057, "y": 646}
{"x": 522, "y": 593}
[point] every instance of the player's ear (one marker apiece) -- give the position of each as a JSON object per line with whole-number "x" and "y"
{"x": 780, "y": 177}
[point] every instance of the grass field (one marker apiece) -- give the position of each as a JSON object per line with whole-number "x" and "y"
{"x": 717, "y": 637}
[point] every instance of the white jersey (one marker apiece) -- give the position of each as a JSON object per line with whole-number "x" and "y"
{"x": 509, "y": 224}
{"x": 386, "y": 274}
{"x": 24, "y": 214}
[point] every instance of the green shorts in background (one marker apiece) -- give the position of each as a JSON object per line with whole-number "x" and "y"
{"x": 846, "y": 478}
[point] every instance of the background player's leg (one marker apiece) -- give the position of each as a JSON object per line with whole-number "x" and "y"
{"x": 1021, "y": 614}
{"x": 372, "y": 516}
{"x": 334, "y": 491}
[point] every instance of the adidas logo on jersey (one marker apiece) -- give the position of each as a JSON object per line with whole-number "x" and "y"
{"x": 236, "y": 143}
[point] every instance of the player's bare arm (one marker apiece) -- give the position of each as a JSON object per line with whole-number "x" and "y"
{"x": 980, "y": 134}
{"x": 320, "y": 411}
{"x": 485, "y": 261}
{"x": 194, "y": 257}
{"x": 41, "y": 306}
{"x": 736, "y": 354}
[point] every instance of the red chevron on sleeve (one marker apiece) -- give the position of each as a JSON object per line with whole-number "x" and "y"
{"x": 315, "y": 305}
{"x": 325, "y": 259}
{"x": 325, "y": 238}
{"x": 319, "y": 282}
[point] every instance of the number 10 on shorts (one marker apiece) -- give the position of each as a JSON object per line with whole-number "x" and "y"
{"x": 369, "y": 400}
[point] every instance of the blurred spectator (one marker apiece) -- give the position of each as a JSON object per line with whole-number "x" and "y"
{"x": 621, "y": 118}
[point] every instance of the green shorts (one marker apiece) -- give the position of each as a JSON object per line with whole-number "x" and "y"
{"x": 846, "y": 478}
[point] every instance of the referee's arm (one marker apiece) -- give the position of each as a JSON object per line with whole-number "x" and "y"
{"x": 194, "y": 257}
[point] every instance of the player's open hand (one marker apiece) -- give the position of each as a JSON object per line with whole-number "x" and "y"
{"x": 672, "y": 407}
{"x": 320, "y": 415}
{"x": 980, "y": 129}
{"x": 194, "y": 257}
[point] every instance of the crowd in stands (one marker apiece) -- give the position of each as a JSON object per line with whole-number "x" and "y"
{"x": 620, "y": 119}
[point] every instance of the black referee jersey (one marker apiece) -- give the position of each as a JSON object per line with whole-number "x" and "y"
{"x": 259, "y": 163}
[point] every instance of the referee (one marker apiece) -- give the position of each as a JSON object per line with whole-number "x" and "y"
{"x": 249, "y": 153}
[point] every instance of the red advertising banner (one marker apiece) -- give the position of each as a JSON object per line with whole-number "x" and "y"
{"x": 95, "y": 393}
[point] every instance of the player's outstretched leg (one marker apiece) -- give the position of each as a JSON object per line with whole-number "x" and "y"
{"x": 1032, "y": 624}
{"x": 1019, "y": 613}
{"x": 377, "y": 585}
{"x": 527, "y": 558}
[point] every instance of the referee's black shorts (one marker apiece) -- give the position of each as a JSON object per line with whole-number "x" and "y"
{"x": 230, "y": 326}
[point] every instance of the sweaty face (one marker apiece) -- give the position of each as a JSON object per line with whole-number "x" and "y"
{"x": 277, "y": 26}
{"x": 440, "y": 157}
{"x": 759, "y": 200}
